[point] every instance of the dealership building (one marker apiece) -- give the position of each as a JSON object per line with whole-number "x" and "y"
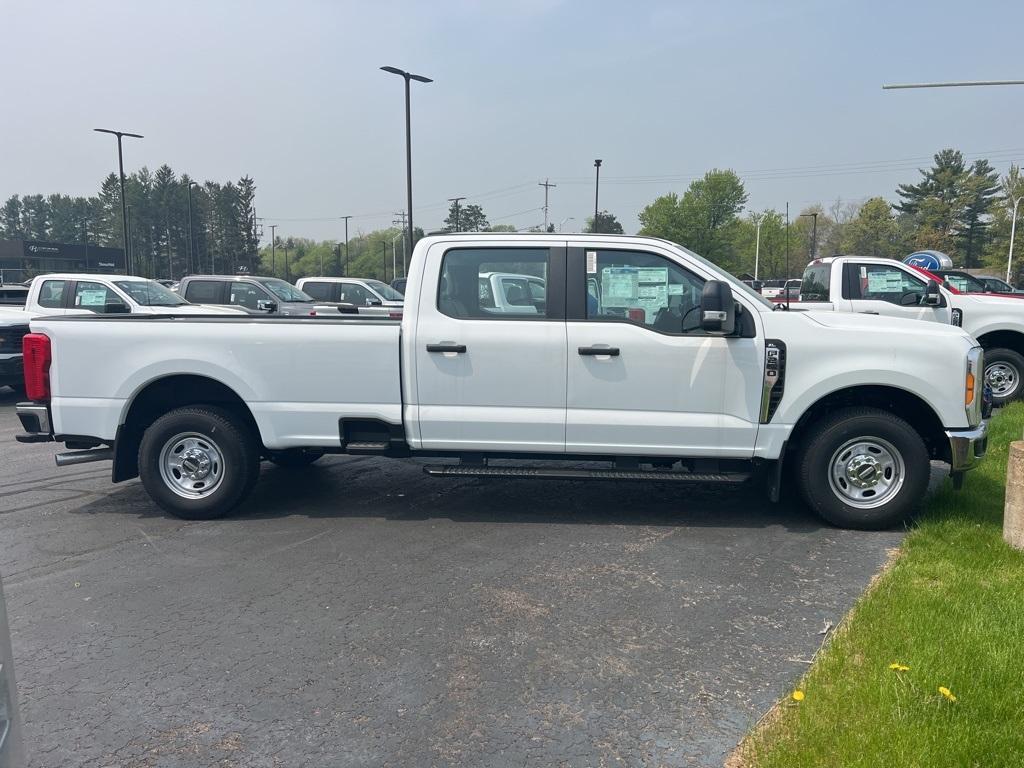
{"x": 22, "y": 259}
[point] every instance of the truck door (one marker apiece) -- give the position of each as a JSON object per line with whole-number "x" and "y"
{"x": 890, "y": 290}
{"x": 643, "y": 377}
{"x": 489, "y": 377}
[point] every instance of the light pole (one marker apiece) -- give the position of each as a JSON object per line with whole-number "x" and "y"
{"x": 273, "y": 249}
{"x": 394, "y": 256}
{"x": 814, "y": 234}
{"x": 567, "y": 218}
{"x": 757, "y": 246}
{"x": 124, "y": 204}
{"x": 407, "y": 76}
{"x": 128, "y": 255}
{"x": 1013, "y": 233}
{"x": 191, "y": 237}
{"x": 384, "y": 252}
{"x": 456, "y": 200}
{"x": 344, "y": 270}
{"x": 597, "y": 188}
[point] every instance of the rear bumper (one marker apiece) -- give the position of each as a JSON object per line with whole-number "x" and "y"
{"x": 35, "y": 420}
{"x": 966, "y": 446}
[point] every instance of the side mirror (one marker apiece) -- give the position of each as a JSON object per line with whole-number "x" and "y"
{"x": 266, "y": 305}
{"x": 932, "y": 295}
{"x": 373, "y": 302}
{"x": 717, "y": 308}
{"x": 116, "y": 308}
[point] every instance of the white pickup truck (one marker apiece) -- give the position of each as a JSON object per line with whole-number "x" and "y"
{"x": 647, "y": 363}
{"x": 893, "y": 289}
{"x": 88, "y": 294}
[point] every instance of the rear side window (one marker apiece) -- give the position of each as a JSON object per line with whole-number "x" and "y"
{"x": 319, "y": 291}
{"x": 815, "y": 285}
{"x": 203, "y": 292}
{"x": 494, "y": 283}
{"x": 51, "y": 293}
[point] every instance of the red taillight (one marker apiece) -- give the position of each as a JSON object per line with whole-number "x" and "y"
{"x": 394, "y": 315}
{"x": 36, "y": 357}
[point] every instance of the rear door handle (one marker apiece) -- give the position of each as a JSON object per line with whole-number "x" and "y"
{"x": 610, "y": 351}
{"x": 868, "y": 312}
{"x": 458, "y": 348}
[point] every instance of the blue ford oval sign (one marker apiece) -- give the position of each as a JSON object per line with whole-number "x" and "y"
{"x": 929, "y": 260}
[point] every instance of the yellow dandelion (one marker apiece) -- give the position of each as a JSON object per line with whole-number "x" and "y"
{"x": 947, "y": 693}
{"x": 899, "y": 667}
{"x": 798, "y": 695}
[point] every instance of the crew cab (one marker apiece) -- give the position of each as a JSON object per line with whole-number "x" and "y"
{"x": 85, "y": 294}
{"x": 647, "y": 363}
{"x": 371, "y": 297}
{"x": 248, "y": 293}
{"x": 893, "y": 289}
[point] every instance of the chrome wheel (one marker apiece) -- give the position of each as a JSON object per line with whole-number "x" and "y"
{"x": 191, "y": 465}
{"x": 866, "y": 472}
{"x": 1003, "y": 378}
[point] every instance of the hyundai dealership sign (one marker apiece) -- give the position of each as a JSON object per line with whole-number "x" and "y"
{"x": 929, "y": 260}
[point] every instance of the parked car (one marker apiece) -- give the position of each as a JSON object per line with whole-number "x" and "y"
{"x": 964, "y": 282}
{"x": 14, "y": 324}
{"x": 510, "y": 293}
{"x": 12, "y": 754}
{"x": 13, "y": 295}
{"x": 996, "y": 285}
{"x": 399, "y": 284}
{"x": 77, "y": 294}
{"x": 371, "y": 297}
{"x": 252, "y": 294}
{"x": 894, "y": 289}
{"x": 675, "y": 372}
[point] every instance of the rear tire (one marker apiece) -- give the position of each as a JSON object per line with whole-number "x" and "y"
{"x": 1004, "y": 373}
{"x": 863, "y": 468}
{"x": 198, "y": 462}
{"x": 294, "y": 458}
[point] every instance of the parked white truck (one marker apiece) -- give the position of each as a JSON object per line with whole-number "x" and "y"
{"x": 88, "y": 294}
{"x": 646, "y": 363}
{"x": 892, "y": 289}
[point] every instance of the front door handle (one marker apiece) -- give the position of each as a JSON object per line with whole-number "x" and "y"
{"x": 458, "y": 348}
{"x": 610, "y": 351}
{"x": 868, "y": 312}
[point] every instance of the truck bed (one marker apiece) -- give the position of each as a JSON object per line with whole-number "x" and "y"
{"x": 298, "y": 375}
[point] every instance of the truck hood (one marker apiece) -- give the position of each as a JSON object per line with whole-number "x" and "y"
{"x": 882, "y": 324}
{"x": 996, "y": 301}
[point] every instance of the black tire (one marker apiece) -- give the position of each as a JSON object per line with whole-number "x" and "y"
{"x": 294, "y": 458}
{"x": 1004, "y": 373}
{"x": 896, "y": 494}
{"x": 233, "y": 461}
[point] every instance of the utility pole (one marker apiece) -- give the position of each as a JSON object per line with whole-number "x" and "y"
{"x": 399, "y": 221}
{"x": 344, "y": 270}
{"x": 286, "y": 271}
{"x": 787, "y": 243}
{"x": 384, "y": 251}
{"x": 547, "y": 185}
{"x": 191, "y": 236}
{"x": 597, "y": 188}
{"x": 757, "y": 246}
{"x": 456, "y": 201}
{"x": 273, "y": 249}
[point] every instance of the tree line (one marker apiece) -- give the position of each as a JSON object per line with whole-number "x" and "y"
{"x": 223, "y": 221}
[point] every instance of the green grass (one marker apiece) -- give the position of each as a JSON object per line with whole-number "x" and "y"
{"x": 951, "y": 608}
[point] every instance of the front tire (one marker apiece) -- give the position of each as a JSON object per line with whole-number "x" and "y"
{"x": 863, "y": 468}
{"x": 1004, "y": 370}
{"x": 198, "y": 462}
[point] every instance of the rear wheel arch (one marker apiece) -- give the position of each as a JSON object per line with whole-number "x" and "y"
{"x": 161, "y": 396}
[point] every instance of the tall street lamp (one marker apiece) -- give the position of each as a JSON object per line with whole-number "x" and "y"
{"x": 407, "y": 76}
{"x": 344, "y": 271}
{"x": 191, "y": 237}
{"x": 124, "y": 204}
{"x": 597, "y": 188}
{"x": 757, "y": 246}
{"x": 1013, "y": 233}
{"x": 567, "y": 218}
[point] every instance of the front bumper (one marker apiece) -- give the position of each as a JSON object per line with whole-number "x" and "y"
{"x": 966, "y": 446}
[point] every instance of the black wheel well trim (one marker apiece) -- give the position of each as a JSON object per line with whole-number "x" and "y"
{"x": 139, "y": 413}
{"x": 1003, "y": 338}
{"x": 900, "y": 402}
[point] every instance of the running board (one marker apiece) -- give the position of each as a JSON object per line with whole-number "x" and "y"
{"x": 552, "y": 473}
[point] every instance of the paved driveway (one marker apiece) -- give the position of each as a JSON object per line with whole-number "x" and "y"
{"x": 358, "y": 613}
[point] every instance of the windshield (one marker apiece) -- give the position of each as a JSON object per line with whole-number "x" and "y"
{"x": 963, "y": 282}
{"x": 733, "y": 282}
{"x": 386, "y": 291}
{"x": 285, "y": 291}
{"x": 149, "y": 293}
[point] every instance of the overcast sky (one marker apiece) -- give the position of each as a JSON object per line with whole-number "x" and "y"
{"x": 786, "y": 93}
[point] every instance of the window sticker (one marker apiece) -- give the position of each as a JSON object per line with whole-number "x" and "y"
{"x": 95, "y": 298}
{"x": 885, "y": 282}
{"x": 591, "y": 262}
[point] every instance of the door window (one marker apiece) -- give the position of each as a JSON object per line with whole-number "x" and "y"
{"x": 203, "y": 292}
{"x": 319, "y": 291}
{"x": 643, "y": 288}
{"x": 353, "y": 293}
{"x": 96, "y": 297}
{"x": 880, "y": 282}
{"x": 51, "y": 293}
{"x": 246, "y": 295}
{"x": 494, "y": 283}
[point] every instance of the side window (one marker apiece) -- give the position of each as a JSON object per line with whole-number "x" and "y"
{"x": 51, "y": 293}
{"x": 880, "y": 282}
{"x": 245, "y": 295}
{"x": 95, "y": 296}
{"x": 494, "y": 283}
{"x": 815, "y": 285}
{"x": 643, "y": 288}
{"x": 355, "y": 294}
{"x": 203, "y": 292}
{"x": 318, "y": 291}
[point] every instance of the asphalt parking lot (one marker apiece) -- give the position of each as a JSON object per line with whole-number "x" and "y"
{"x": 358, "y": 613}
